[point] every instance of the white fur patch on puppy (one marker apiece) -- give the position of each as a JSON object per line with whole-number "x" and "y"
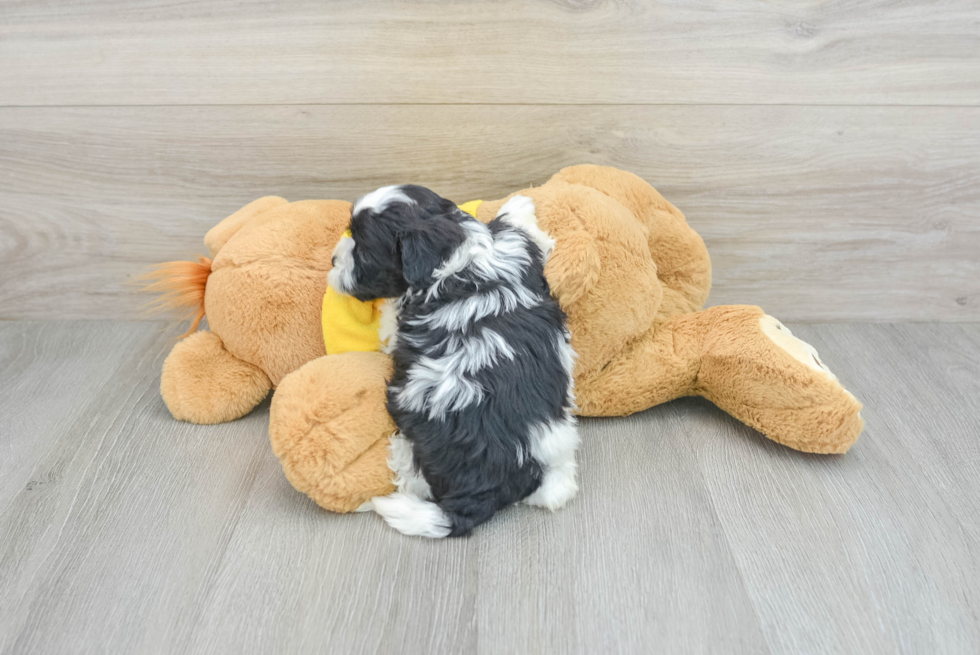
{"x": 558, "y": 487}
{"x": 341, "y": 276}
{"x": 412, "y": 516}
{"x": 554, "y": 445}
{"x": 401, "y": 462}
{"x": 388, "y": 325}
{"x": 519, "y": 211}
{"x": 378, "y": 199}
{"x": 489, "y": 257}
{"x": 478, "y": 243}
{"x": 459, "y": 314}
{"x": 437, "y": 385}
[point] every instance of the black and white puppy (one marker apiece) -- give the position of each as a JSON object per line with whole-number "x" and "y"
{"x": 482, "y": 390}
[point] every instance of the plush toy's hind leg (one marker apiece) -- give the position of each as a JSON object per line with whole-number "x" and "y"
{"x": 757, "y": 371}
{"x": 219, "y": 235}
{"x": 683, "y": 265}
{"x": 330, "y": 429}
{"x": 742, "y": 360}
{"x": 204, "y": 383}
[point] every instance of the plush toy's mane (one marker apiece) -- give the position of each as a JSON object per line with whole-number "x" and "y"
{"x": 180, "y": 286}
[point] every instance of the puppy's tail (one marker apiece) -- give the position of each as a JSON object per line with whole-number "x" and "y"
{"x": 180, "y": 286}
{"x": 422, "y": 518}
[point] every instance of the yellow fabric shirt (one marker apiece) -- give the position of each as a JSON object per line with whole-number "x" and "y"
{"x": 350, "y": 325}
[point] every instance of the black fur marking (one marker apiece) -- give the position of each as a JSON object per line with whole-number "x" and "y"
{"x": 470, "y": 457}
{"x": 409, "y": 238}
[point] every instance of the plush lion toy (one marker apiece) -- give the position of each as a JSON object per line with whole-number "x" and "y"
{"x": 627, "y": 269}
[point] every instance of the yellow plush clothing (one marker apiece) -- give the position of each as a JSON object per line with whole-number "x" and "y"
{"x": 350, "y": 325}
{"x": 471, "y": 207}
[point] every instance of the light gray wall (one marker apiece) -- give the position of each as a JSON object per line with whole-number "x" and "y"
{"x": 828, "y": 153}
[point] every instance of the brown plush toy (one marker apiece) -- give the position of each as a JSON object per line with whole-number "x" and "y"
{"x": 627, "y": 269}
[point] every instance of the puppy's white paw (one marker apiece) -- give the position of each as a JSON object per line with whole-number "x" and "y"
{"x": 412, "y": 516}
{"x": 519, "y": 211}
{"x": 558, "y": 487}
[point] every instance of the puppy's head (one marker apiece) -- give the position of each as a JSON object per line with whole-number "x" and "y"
{"x": 399, "y": 236}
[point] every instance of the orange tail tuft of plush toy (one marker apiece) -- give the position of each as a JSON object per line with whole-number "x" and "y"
{"x": 181, "y": 286}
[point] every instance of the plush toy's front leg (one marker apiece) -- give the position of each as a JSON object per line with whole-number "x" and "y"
{"x": 744, "y": 361}
{"x": 330, "y": 429}
{"x": 204, "y": 383}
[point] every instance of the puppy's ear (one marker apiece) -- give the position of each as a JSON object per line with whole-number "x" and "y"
{"x": 426, "y": 245}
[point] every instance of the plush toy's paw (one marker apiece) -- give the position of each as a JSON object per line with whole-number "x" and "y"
{"x": 330, "y": 429}
{"x": 204, "y": 383}
{"x": 755, "y": 370}
{"x": 797, "y": 348}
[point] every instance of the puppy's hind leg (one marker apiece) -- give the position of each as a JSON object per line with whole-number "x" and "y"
{"x": 554, "y": 445}
{"x": 401, "y": 461}
{"x": 454, "y": 516}
{"x": 558, "y": 487}
{"x": 413, "y": 516}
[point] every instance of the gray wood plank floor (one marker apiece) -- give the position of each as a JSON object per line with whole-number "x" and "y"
{"x": 124, "y": 531}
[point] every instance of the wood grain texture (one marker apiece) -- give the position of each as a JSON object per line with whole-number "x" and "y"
{"x": 887, "y": 534}
{"x": 118, "y": 512}
{"x": 125, "y": 531}
{"x": 815, "y": 213}
{"x": 105, "y": 52}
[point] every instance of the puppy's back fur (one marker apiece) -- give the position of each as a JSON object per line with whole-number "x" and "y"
{"x": 482, "y": 385}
